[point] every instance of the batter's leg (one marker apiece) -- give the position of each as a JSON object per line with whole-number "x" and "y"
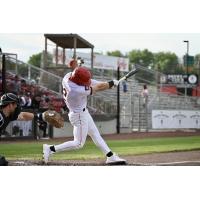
{"x": 112, "y": 158}
{"x": 80, "y": 131}
{"x": 93, "y": 132}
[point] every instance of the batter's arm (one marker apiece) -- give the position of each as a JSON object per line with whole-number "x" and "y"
{"x": 100, "y": 87}
{"x": 104, "y": 86}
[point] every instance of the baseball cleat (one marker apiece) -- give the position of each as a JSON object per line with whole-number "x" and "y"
{"x": 115, "y": 160}
{"x": 46, "y": 153}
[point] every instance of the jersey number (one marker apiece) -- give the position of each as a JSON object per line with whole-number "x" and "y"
{"x": 64, "y": 92}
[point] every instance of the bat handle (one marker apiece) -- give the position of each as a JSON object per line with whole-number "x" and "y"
{"x": 121, "y": 79}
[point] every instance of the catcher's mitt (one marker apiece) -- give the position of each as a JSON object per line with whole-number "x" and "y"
{"x": 53, "y": 118}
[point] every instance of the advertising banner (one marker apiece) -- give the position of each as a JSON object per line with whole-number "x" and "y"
{"x": 99, "y": 61}
{"x": 170, "y": 119}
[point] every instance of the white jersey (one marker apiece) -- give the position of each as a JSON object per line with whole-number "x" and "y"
{"x": 75, "y": 96}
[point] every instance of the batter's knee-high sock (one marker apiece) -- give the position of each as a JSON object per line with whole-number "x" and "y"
{"x": 52, "y": 148}
{"x": 109, "y": 154}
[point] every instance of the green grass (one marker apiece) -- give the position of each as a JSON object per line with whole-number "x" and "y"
{"x": 33, "y": 150}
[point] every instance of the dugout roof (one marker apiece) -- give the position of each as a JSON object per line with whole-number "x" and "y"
{"x": 66, "y": 41}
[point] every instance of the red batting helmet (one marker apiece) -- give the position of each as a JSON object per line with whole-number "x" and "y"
{"x": 81, "y": 76}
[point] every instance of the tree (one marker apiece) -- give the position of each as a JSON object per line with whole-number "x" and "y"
{"x": 35, "y": 59}
{"x": 116, "y": 53}
{"x": 166, "y": 62}
{"x": 144, "y": 57}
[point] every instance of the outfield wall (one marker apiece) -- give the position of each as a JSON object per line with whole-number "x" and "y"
{"x": 104, "y": 127}
{"x": 106, "y": 124}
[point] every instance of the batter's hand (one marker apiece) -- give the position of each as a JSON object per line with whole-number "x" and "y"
{"x": 113, "y": 83}
{"x": 116, "y": 83}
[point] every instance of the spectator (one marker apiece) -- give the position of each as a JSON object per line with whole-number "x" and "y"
{"x": 45, "y": 103}
{"x": 23, "y": 86}
{"x": 36, "y": 101}
{"x": 145, "y": 94}
{"x": 28, "y": 100}
{"x": 33, "y": 82}
{"x": 22, "y": 101}
{"x": 37, "y": 79}
{"x": 32, "y": 90}
{"x": 124, "y": 85}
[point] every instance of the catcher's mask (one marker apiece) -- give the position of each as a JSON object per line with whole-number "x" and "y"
{"x": 9, "y": 98}
{"x": 81, "y": 76}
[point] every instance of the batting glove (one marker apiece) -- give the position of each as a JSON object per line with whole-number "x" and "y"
{"x": 113, "y": 83}
{"x": 116, "y": 82}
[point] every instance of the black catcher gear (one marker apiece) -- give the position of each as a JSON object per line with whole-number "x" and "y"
{"x": 9, "y": 98}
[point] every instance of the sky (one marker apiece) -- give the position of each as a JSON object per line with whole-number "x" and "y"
{"x": 28, "y": 44}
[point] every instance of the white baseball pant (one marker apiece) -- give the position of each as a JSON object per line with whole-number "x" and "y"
{"x": 83, "y": 124}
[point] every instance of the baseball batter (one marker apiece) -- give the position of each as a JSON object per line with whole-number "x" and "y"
{"x": 77, "y": 86}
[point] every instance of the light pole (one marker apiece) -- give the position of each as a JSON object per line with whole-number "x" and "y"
{"x": 187, "y": 54}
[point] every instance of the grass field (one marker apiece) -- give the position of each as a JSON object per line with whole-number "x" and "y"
{"x": 32, "y": 150}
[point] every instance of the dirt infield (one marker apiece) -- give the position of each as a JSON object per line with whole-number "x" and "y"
{"x": 181, "y": 158}
{"x": 188, "y": 158}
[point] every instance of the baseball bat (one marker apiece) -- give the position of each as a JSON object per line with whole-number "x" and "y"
{"x": 131, "y": 73}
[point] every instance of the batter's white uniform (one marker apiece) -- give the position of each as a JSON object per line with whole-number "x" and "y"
{"x": 75, "y": 97}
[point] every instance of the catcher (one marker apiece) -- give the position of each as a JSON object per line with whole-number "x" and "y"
{"x": 10, "y": 110}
